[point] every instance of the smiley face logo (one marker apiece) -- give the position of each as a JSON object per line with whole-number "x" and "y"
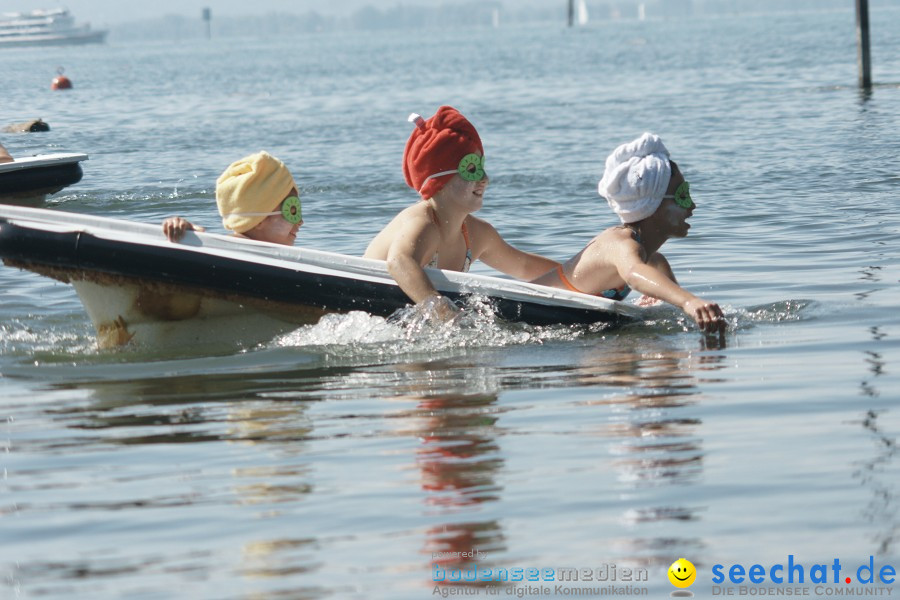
{"x": 682, "y": 573}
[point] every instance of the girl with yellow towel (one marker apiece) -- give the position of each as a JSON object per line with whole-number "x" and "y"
{"x": 257, "y": 199}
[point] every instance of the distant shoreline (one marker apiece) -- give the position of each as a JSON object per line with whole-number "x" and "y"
{"x": 462, "y": 15}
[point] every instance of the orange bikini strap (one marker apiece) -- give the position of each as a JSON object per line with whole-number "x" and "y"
{"x": 465, "y": 230}
{"x": 565, "y": 280}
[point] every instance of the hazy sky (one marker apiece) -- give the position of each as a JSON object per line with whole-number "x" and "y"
{"x": 100, "y": 12}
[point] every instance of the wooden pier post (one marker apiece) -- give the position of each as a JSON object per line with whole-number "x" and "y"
{"x": 571, "y": 12}
{"x": 863, "y": 56}
{"x": 207, "y": 16}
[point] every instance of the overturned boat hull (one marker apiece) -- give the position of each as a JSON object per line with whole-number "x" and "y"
{"x": 139, "y": 288}
{"x": 30, "y": 179}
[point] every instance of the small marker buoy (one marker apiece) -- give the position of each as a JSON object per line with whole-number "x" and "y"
{"x": 61, "y": 82}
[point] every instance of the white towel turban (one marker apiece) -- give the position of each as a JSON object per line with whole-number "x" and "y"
{"x": 636, "y": 177}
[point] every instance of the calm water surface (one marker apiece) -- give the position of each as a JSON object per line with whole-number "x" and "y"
{"x": 340, "y": 459}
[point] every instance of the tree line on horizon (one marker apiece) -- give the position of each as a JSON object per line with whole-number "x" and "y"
{"x": 462, "y": 14}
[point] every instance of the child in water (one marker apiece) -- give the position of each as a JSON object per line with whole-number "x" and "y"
{"x": 257, "y": 198}
{"x": 652, "y": 199}
{"x": 444, "y": 162}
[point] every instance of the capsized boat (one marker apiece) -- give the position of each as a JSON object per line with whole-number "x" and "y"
{"x": 29, "y": 179}
{"x": 139, "y": 288}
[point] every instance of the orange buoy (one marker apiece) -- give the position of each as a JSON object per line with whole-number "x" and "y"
{"x": 61, "y": 82}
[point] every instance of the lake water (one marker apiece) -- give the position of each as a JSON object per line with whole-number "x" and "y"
{"x": 360, "y": 459}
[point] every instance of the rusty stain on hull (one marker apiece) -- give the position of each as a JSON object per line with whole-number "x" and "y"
{"x": 166, "y": 305}
{"x": 114, "y": 334}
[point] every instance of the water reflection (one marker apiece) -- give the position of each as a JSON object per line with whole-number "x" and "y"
{"x": 882, "y": 510}
{"x": 280, "y": 558}
{"x": 644, "y": 390}
{"x": 459, "y": 456}
{"x": 191, "y": 409}
{"x": 650, "y": 389}
{"x": 248, "y": 461}
{"x": 459, "y": 460}
{"x": 656, "y": 444}
{"x": 622, "y": 416}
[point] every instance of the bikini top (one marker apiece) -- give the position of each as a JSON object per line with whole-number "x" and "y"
{"x": 619, "y": 293}
{"x": 465, "y": 233}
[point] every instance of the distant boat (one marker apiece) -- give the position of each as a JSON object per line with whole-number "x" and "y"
{"x": 46, "y": 28}
{"x": 582, "y": 12}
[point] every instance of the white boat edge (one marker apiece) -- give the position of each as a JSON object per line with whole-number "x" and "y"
{"x": 277, "y": 255}
{"x": 42, "y": 160}
{"x": 111, "y": 303}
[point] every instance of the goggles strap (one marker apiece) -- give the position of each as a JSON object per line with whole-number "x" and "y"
{"x": 253, "y": 214}
{"x": 441, "y": 174}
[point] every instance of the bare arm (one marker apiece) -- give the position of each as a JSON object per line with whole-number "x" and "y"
{"x": 497, "y": 253}
{"x": 405, "y": 257}
{"x": 660, "y": 262}
{"x": 404, "y": 263}
{"x": 5, "y": 156}
{"x": 411, "y": 277}
{"x": 650, "y": 278}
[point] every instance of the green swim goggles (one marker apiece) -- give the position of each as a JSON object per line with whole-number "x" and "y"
{"x": 682, "y": 196}
{"x": 290, "y": 210}
{"x": 470, "y": 168}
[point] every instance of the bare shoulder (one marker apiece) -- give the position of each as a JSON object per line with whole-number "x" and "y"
{"x": 615, "y": 241}
{"x": 410, "y": 221}
{"x": 613, "y": 236}
{"x": 478, "y": 226}
{"x": 415, "y": 217}
{"x": 482, "y": 235}
{"x": 620, "y": 234}
{"x": 415, "y": 212}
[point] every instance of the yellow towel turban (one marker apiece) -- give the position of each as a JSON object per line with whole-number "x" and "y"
{"x": 252, "y": 185}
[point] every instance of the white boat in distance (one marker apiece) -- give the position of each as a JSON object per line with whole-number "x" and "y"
{"x": 54, "y": 27}
{"x": 582, "y": 13}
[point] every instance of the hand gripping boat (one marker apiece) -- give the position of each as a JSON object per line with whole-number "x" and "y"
{"x": 137, "y": 287}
